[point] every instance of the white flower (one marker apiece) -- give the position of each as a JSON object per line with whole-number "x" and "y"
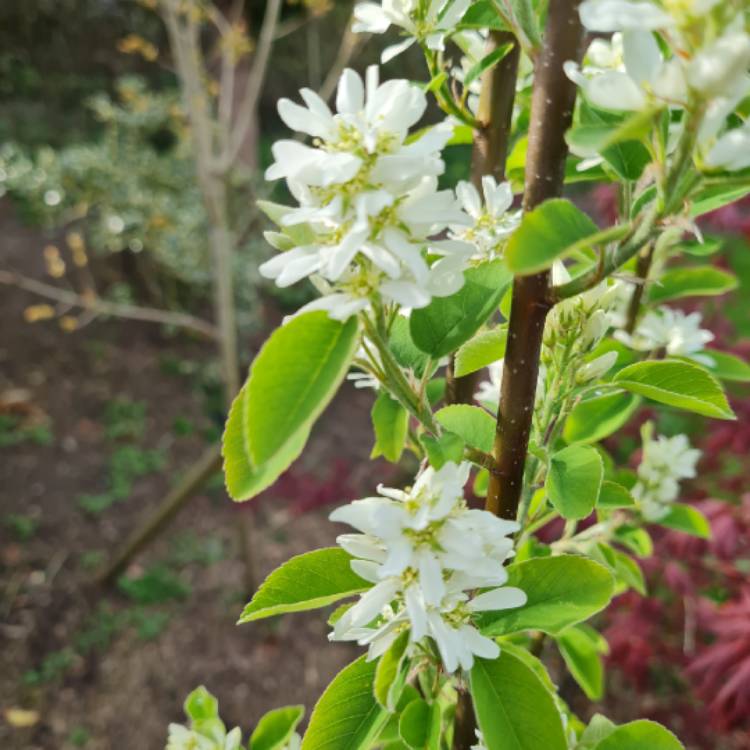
{"x": 678, "y": 333}
{"x": 492, "y": 223}
{"x": 489, "y": 390}
{"x": 665, "y": 462}
{"x": 182, "y": 738}
{"x": 719, "y": 67}
{"x": 429, "y": 22}
{"x": 488, "y": 393}
{"x": 369, "y": 202}
{"x": 616, "y": 15}
{"x": 732, "y": 150}
{"x": 426, "y": 551}
{"x": 629, "y": 73}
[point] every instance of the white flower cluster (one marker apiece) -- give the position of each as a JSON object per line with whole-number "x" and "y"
{"x": 678, "y": 333}
{"x": 427, "y": 22}
{"x": 426, "y": 552}
{"x": 584, "y": 319}
{"x": 370, "y": 204}
{"x": 492, "y": 220}
{"x": 181, "y": 737}
{"x": 370, "y": 200}
{"x": 630, "y": 71}
{"x": 664, "y": 463}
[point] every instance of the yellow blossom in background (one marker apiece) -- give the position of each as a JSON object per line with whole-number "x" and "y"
{"x": 77, "y": 247}
{"x": 55, "y": 264}
{"x": 35, "y": 313}
{"x": 133, "y": 44}
{"x": 68, "y": 323}
{"x": 21, "y": 718}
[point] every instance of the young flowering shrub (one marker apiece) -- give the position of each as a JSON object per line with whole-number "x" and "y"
{"x": 423, "y": 287}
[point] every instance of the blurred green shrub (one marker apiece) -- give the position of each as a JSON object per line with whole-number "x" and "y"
{"x": 133, "y": 189}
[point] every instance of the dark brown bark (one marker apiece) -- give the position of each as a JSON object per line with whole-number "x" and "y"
{"x": 642, "y": 268}
{"x": 551, "y": 115}
{"x": 488, "y": 156}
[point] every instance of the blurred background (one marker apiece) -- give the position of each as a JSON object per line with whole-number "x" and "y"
{"x": 133, "y": 138}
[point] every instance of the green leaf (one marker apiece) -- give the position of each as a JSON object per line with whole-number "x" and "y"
{"x": 472, "y": 424}
{"x": 629, "y": 572}
{"x": 293, "y": 378}
{"x": 275, "y": 728}
{"x": 561, "y": 591}
{"x": 405, "y": 351}
{"x": 291, "y": 381}
{"x": 200, "y": 705}
{"x": 447, "y": 322}
{"x": 482, "y": 350}
{"x": 415, "y": 724}
{"x": 486, "y": 63}
{"x": 726, "y": 366}
{"x": 347, "y": 716}
{"x": 308, "y": 581}
{"x": 514, "y": 709}
{"x": 715, "y": 197}
{"x": 243, "y": 480}
{"x": 613, "y": 495}
{"x": 640, "y": 735}
{"x": 581, "y": 648}
{"x": 390, "y": 675}
{"x": 574, "y": 480}
{"x": 635, "y": 539}
{"x": 599, "y": 727}
{"x": 688, "y": 519}
{"x": 616, "y": 138}
{"x": 391, "y": 423}
{"x": 677, "y": 383}
{"x": 552, "y": 229}
{"x": 596, "y": 418}
{"x": 482, "y": 15}
{"x": 709, "y": 246}
{"x": 448, "y": 447}
{"x": 695, "y": 281}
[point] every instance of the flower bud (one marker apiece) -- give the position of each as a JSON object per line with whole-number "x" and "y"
{"x": 595, "y": 328}
{"x": 596, "y": 368}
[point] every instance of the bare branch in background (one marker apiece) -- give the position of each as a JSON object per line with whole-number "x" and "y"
{"x": 97, "y": 306}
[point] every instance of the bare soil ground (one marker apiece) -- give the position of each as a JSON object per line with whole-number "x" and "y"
{"x": 100, "y": 669}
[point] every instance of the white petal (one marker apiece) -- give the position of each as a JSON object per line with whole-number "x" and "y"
{"x": 616, "y": 15}
{"x": 350, "y": 97}
{"x": 431, "y": 578}
{"x": 615, "y": 90}
{"x": 370, "y": 18}
{"x": 643, "y": 58}
{"x": 303, "y": 120}
{"x": 396, "y": 49}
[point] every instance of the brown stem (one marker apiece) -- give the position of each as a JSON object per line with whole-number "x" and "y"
{"x": 489, "y": 154}
{"x": 642, "y": 268}
{"x": 195, "y": 477}
{"x": 465, "y": 724}
{"x": 551, "y": 115}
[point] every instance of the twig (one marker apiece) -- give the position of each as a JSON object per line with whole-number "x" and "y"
{"x": 350, "y": 43}
{"x": 488, "y": 156}
{"x": 195, "y": 478}
{"x": 99, "y": 306}
{"x": 551, "y": 115}
{"x": 256, "y": 77}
